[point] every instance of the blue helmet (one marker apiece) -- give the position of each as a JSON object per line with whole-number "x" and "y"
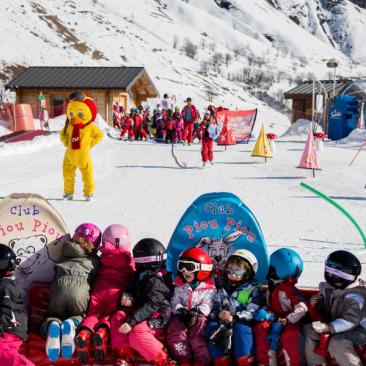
{"x": 285, "y": 263}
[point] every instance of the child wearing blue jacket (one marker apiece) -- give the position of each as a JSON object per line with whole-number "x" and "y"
{"x": 237, "y": 299}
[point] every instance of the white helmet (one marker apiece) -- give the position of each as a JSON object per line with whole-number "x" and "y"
{"x": 249, "y": 257}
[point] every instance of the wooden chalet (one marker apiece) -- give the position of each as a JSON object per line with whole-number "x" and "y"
{"x": 129, "y": 86}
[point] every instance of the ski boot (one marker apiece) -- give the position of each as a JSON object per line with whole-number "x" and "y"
{"x": 67, "y": 338}
{"x": 100, "y": 342}
{"x": 68, "y": 196}
{"x": 204, "y": 165}
{"x": 82, "y": 342}
{"x": 125, "y": 357}
{"x": 88, "y": 197}
{"x": 212, "y": 162}
{"x": 53, "y": 342}
{"x": 163, "y": 359}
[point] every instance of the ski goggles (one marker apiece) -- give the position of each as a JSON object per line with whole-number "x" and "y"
{"x": 338, "y": 273}
{"x": 236, "y": 272}
{"x": 191, "y": 267}
{"x": 78, "y": 95}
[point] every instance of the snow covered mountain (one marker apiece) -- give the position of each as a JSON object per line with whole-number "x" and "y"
{"x": 340, "y": 23}
{"x": 236, "y": 53}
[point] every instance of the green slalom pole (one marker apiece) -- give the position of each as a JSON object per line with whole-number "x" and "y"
{"x": 340, "y": 208}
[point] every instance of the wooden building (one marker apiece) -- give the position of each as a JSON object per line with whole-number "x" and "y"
{"x": 129, "y": 86}
{"x": 302, "y": 97}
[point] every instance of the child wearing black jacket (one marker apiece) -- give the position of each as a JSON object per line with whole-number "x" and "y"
{"x": 13, "y": 314}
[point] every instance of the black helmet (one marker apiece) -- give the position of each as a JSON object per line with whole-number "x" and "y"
{"x": 8, "y": 261}
{"x": 149, "y": 254}
{"x": 341, "y": 269}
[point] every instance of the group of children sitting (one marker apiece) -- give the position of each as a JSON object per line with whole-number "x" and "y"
{"x": 124, "y": 297}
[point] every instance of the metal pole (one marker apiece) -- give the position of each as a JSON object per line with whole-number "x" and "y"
{"x": 334, "y": 82}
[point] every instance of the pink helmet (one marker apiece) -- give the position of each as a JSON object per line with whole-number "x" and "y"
{"x": 116, "y": 239}
{"x": 88, "y": 232}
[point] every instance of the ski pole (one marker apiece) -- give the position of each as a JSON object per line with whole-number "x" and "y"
{"x": 337, "y": 205}
{"x": 359, "y": 150}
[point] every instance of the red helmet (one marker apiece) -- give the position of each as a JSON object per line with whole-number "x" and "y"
{"x": 195, "y": 260}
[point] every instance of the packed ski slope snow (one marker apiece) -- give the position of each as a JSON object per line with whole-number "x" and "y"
{"x": 139, "y": 185}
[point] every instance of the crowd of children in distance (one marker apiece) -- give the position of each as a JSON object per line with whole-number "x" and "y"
{"x": 169, "y": 124}
{"x": 125, "y": 297}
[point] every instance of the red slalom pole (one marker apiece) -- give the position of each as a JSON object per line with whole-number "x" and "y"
{"x": 359, "y": 150}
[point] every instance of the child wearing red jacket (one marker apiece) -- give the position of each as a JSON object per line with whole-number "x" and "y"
{"x": 117, "y": 270}
{"x": 127, "y": 127}
{"x": 287, "y": 307}
{"x": 209, "y": 130}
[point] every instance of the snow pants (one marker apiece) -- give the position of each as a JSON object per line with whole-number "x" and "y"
{"x": 207, "y": 149}
{"x": 187, "y": 344}
{"x": 340, "y": 347}
{"x": 103, "y": 306}
{"x": 291, "y": 343}
{"x": 188, "y": 132}
{"x": 141, "y": 338}
{"x": 69, "y": 171}
{"x": 9, "y": 351}
{"x": 141, "y": 133}
{"x": 177, "y": 135}
{"x": 243, "y": 344}
{"x": 128, "y": 131}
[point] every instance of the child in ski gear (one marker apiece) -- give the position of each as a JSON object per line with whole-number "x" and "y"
{"x": 127, "y": 128}
{"x": 342, "y": 303}
{"x": 237, "y": 298}
{"x": 189, "y": 115}
{"x": 178, "y": 125}
{"x": 116, "y": 272}
{"x": 158, "y": 122}
{"x": 191, "y": 305}
{"x": 138, "y": 126}
{"x": 169, "y": 126}
{"x": 287, "y": 305}
{"x": 13, "y": 314}
{"x": 75, "y": 272}
{"x": 146, "y": 308}
{"x": 79, "y": 136}
{"x": 209, "y": 130}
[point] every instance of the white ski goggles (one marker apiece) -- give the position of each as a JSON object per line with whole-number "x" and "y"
{"x": 339, "y": 273}
{"x": 191, "y": 267}
{"x": 151, "y": 259}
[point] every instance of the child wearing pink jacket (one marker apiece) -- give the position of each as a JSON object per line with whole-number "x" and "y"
{"x": 115, "y": 273}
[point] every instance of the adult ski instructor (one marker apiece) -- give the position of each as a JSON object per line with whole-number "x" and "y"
{"x": 190, "y": 115}
{"x": 79, "y": 135}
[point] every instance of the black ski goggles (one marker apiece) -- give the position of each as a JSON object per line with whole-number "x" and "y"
{"x": 80, "y": 96}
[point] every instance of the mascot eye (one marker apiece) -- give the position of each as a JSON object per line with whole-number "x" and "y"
{"x": 71, "y": 114}
{"x": 80, "y": 114}
{"x": 20, "y": 251}
{"x": 30, "y": 250}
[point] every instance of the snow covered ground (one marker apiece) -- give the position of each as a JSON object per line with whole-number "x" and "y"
{"x": 139, "y": 185}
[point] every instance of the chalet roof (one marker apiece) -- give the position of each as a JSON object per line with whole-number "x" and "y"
{"x": 306, "y": 88}
{"x": 80, "y": 77}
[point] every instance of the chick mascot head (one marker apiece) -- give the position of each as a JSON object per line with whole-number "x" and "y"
{"x": 79, "y": 136}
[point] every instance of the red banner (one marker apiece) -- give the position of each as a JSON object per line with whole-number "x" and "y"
{"x": 239, "y": 124}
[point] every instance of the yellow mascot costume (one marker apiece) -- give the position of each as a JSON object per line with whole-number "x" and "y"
{"x": 79, "y": 135}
